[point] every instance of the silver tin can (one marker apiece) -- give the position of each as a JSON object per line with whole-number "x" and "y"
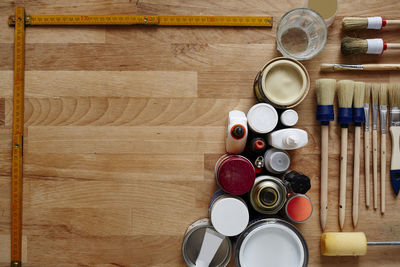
{"x": 193, "y": 240}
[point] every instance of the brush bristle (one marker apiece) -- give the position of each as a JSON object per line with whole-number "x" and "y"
{"x": 354, "y": 46}
{"x": 375, "y": 93}
{"x": 351, "y": 23}
{"x": 345, "y": 93}
{"x": 383, "y": 101}
{"x": 359, "y": 88}
{"x": 325, "y": 91}
{"x": 394, "y": 95}
{"x": 367, "y": 93}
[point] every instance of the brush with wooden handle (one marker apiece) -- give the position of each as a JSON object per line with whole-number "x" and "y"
{"x": 358, "y": 118}
{"x": 356, "y": 46}
{"x": 394, "y": 101}
{"x": 383, "y": 117}
{"x": 363, "y": 67}
{"x": 373, "y": 23}
{"x": 345, "y": 117}
{"x": 325, "y": 89}
{"x": 367, "y": 141}
{"x": 375, "y": 99}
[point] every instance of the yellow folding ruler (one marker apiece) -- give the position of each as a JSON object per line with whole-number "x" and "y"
{"x": 231, "y": 21}
{"x": 19, "y": 21}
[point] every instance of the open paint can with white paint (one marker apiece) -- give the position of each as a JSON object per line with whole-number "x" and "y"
{"x": 271, "y": 243}
{"x": 193, "y": 241}
{"x": 283, "y": 82}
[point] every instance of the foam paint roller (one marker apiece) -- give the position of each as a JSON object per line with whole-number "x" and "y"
{"x": 348, "y": 244}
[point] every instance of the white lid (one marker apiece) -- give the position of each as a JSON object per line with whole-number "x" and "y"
{"x": 289, "y": 117}
{"x": 274, "y": 244}
{"x": 262, "y": 118}
{"x": 229, "y": 216}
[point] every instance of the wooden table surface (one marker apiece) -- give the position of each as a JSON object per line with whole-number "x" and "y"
{"x": 124, "y": 126}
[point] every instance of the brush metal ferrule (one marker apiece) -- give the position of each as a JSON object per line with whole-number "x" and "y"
{"x": 374, "y": 116}
{"x": 383, "y": 116}
{"x": 395, "y": 116}
{"x": 366, "y": 114}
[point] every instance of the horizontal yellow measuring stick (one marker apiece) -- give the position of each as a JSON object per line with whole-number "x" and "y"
{"x": 235, "y": 21}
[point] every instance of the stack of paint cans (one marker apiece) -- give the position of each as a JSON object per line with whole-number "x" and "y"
{"x": 259, "y": 196}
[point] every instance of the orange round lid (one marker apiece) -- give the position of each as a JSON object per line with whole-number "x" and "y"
{"x": 298, "y": 208}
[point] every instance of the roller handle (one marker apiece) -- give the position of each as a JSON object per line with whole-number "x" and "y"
{"x": 324, "y": 175}
{"x": 356, "y": 174}
{"x": 343, "y": 177}
{"x": 375, "y": 166}
{"x": 395, "y": 161}
{"x": 383, "y": 173}
{"x": 366, "y": 168}
{"x": 383, "y": 243}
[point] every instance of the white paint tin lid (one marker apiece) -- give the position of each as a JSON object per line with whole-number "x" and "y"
{"x": 262, "y": 118}
{"x": 271, "y": 245}
{"x": 229, "y": 216}
{"x": 289, "y": 117}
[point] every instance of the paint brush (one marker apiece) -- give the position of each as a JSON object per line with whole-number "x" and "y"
{"x": 383, "y": 116}
{"x": 375, "y": 98}
{"x": 394, "y": 101}
{"x": 355, "y": 46}
{"x": 358, "y": 118}
{"x": 363, "y": 67}
{"x": 325, "y": 89}
{"x": 367, "y": 141}
{"x": 373, "y": 23}
{"x": 345, "y": 117}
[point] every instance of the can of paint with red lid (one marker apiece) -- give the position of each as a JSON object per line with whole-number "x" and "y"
{"x": 234, "y": 174}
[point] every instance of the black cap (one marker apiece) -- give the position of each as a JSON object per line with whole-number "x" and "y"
{"x": 238, "y": 132}
{"x": 297, "y": 182}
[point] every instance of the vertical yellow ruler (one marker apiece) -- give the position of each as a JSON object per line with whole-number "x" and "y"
{"x": 17, "y": 138}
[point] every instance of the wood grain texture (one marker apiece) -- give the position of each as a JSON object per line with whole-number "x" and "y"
{"x": 124, "y": 126}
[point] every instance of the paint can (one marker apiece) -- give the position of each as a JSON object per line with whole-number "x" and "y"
{"x": 229, "y": 214}
{"x": 298, "y": 208}
{"x": 234, "y": 174}
{"x": 283, "y": 82}
{"x": 268, "y": 195}
{"x": 276, "y": 161}
{"x": 192, "y": 242}
{"x": 262, "y": 118}
{"x": 271, "y": 243}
